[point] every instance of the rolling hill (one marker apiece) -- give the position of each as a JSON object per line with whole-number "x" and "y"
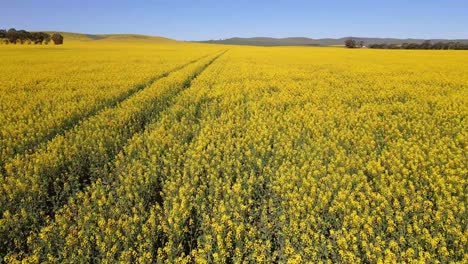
{"x": 70, "y": 36}
{"x": 302, "y": 41}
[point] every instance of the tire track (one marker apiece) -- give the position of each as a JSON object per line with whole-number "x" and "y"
{"x": 70, "y": 123}
{"x": 32, "y": 193}
{"x": 121, "y": 180}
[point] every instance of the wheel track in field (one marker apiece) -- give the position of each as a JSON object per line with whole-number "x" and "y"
{"x": 171, "y": 101}
{"x": 113, "y": 181}
{"x": 73, "y": 121}
{"x": 56, "y": 200}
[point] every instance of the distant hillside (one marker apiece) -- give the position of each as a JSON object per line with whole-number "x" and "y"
{"x": 69, "y": 36}
{"x": 300, "y": 41}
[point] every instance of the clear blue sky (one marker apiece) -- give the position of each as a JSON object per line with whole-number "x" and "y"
{"x": 210, "y": 19}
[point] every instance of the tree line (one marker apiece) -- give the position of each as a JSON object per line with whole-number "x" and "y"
{"x": 13, "y": 36}
{"x": 427, "y": 45}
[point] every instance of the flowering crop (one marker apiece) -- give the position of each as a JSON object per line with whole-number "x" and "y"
{"x": 47, "y": 91}
{"x": 297, "y": 155}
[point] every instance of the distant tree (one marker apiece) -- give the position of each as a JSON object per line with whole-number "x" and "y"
{"x": 438, "y": 45}
{"x": 36, "y": 38}
{"x": 57, "y": 38}
{"x": 413, "y": 46}
{"x": 40, "y": 37}
{"x": 46, "y": 37}
{"x": 361, "y": 44}
{"x": 350, "y": 43}
{"x": 426, "y": 45}
{"x": 12, "y": 35}
{"x": 3, "y": 33}
{"x": 23, "y": 35}
{"x": 383, "y": 46}
{"x": 453, "y": 45}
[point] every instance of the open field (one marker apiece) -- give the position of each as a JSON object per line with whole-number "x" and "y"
{"x": 150, "y": 150}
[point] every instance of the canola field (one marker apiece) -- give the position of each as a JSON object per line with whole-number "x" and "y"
{"x": 147, "y": 152}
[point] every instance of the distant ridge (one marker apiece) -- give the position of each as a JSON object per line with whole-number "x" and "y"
{"x": 70, "y": 36}
{"x": 302, "y": 41}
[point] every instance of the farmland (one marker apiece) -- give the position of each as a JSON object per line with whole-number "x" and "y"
{"x": 148, "y": 150}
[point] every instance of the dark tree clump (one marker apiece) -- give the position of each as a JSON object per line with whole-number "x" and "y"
{"x": 40, "y": 37}
{"x": 57, "y": 39}
{"x": 12, "y": 35}
{"x": 350, "y": 43}
{"x": 22, "y": 36}
{"x": 424, "y": 45}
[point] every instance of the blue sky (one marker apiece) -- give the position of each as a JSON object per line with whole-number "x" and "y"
{"x": 210, "y": 19}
